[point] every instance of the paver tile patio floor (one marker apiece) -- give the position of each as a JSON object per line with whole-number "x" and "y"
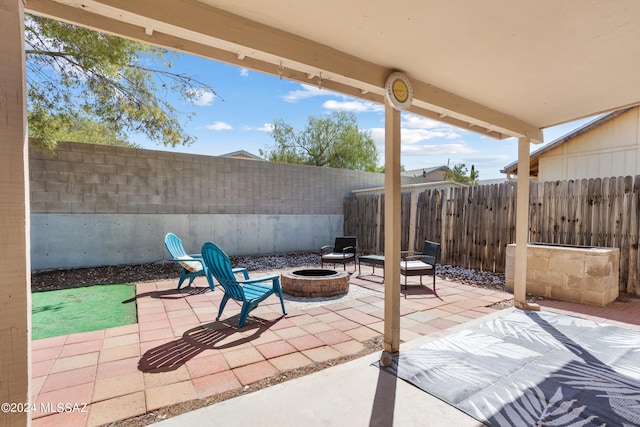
{"x": 178, "y": 351}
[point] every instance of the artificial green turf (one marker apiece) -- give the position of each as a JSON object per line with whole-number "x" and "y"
{"x": 91, "y": 308}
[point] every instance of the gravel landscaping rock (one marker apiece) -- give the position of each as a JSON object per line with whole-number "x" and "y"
{"x": 115, "y": 274}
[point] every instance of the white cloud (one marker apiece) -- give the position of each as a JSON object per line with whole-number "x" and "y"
{"x": 353, "y": 106}
{"x": 416, "y": 122}
{"x": 307, "y": 91}
{"x": 427, "y": 128}
{"x": 414, "y": 136}
{"x": 244, "y": 72}
{"x": 202, "y": 98}
{"x": 438, "y": 149}
{"x": 426, "y": 147}
{"x": 411, "y": 136}
{"x": 415, "y": 129}
{"x": 267, "y": 127}
{"x": 346, "y": 104}
{"x": 219, "y": 126}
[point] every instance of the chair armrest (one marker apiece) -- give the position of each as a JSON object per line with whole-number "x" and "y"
{"x": 406, "y": 254}
{"x": 424, "y": 258}
{"x": 352, "y": 251}
{"x": 326, "y": 249}
{"x": 195, "y": 255}
{"x": 242, "y": 270}
{"x": 191, "y": 259}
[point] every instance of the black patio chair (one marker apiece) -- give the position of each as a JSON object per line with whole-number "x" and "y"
{"x": 422, "y": 264}
{"x": 342, "y": 252}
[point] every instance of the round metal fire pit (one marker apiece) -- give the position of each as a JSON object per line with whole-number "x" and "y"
{"x": 315, "y": 282}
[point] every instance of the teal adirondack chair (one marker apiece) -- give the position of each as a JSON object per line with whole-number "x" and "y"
{"x": 192, "y": 265}
{"x": 249, "y": 292}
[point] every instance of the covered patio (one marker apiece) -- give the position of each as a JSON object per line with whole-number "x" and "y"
{"x": 177, "y": 360}
{"x": 504, "y": 69}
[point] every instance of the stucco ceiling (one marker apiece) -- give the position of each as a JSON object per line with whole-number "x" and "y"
{"x": 503, "y": 67}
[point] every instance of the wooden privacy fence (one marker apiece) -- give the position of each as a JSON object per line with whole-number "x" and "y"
{"x": 475, "y": 224}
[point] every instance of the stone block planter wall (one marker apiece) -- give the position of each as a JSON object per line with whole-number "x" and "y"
{"x": 585, "y": 275}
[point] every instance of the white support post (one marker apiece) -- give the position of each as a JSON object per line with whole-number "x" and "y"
{"x": 522, "y": 228}
{"x": 392, "y": 230}
{"x": 15, "y": 292}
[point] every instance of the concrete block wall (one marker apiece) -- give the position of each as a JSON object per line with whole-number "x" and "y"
{"x": 101, "y": 205}
{"x": 88, "y": 178}
{"x": 585, "y": 275}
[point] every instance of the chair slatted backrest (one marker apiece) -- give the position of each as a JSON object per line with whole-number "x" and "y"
{"x": 174, "y": 246}
{"x": 177, "y": 252}
{"x": 430, "y": 250}
{"x": 344, "y": 242}
{"x": 219, "y": 265}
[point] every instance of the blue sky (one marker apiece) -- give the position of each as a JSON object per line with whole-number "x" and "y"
{"x": 239, "y": 116}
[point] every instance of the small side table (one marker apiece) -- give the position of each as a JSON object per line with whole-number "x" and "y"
{"x": 371, "y": 260}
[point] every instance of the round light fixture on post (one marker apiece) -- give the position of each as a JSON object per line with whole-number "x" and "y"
{"x": 399, "y": 91}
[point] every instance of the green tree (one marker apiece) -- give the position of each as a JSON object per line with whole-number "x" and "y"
{"x": 474, "y": 175}
{"x": 334, "y": 141}
{"x": 82, "y": 129}
{"x": 460, "y": 173}
{"x": 76, "y": 75}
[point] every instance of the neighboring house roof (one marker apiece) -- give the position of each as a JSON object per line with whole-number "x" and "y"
{"x": 411, "y": 187}
{"x": 512, "y": 168}
{"x": 241, "y": 154}
{"x": 423, "y": 172}
{"x": 492, "y": 181}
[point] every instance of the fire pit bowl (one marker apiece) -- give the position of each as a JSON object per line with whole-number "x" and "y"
{"x": 315, "y": 282}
